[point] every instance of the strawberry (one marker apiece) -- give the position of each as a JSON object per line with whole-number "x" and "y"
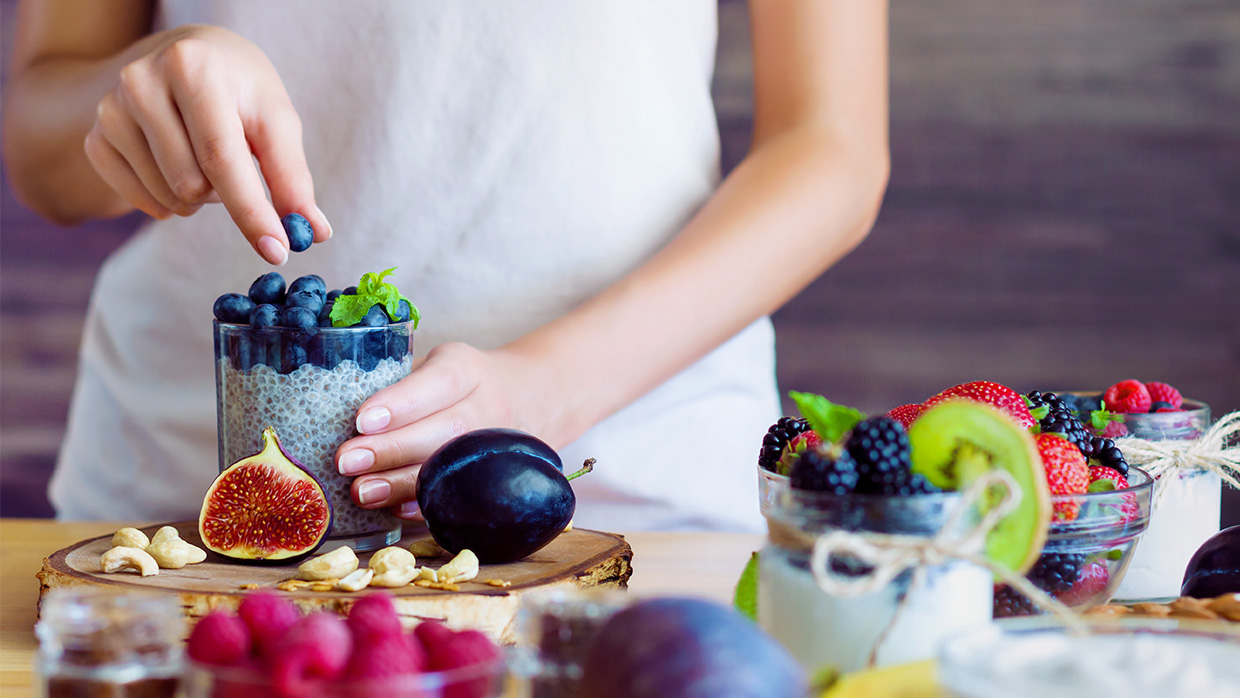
{"x": 905, "y": 414}
{"x": 1001, "y": 397}
{"x": 1089, "y": 586}
{"x": 796, "y": 447}
{"x": 1127, "y": 397}
{"x": 219, "y": 638}
{"x": 1067, "y": 472}
{"x": 1162, "y": 392}
{"x": 1127, "y": 507}
{"x": 268, "y": 617}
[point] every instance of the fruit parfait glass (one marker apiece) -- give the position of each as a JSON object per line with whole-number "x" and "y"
{"x": 306, "y": 379}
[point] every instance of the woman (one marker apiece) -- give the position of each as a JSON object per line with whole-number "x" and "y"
{"x": 544, "y": 175}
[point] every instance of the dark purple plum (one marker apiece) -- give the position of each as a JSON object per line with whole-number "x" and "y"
{"x": 300, "y": 234}
{"x": 268, "y": 288}
{"x": 497, "y": 492}
{"x": 687, "y": 648}
{"x": 1215, "y": 568}
{"x": 233, "y": 308}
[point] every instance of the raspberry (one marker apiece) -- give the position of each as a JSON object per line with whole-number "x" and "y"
{"x": 446, "y": 650}
{"x": 1055, "y": 573}
{"x": 381, "y": 657}
{"x": 1162, "y": 392}
{"x": 819, "y": 472}
{"x": 316, "y": 648}
{"x": 219, "y": 638}
{"x": 778, "y": 436}
{"x": 1067, "y": 472}
{"x": 1127, "y": 397}
{"x": 879, "y": 446}
{"x": 1009, "y": 602}
{"x": 799, "y": 444}
{"x": 1089, "y": 587}
{"x": 1114, "y": 430}
{"x": 998, "y": 396}
{"x": 374, "y": 616}
{"x": 268, "y": 617}
{"x": 905, "y": 414}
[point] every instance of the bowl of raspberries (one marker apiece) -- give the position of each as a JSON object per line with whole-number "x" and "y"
{"x": 268, "y": 649}
{"x": 1154, "y": 411}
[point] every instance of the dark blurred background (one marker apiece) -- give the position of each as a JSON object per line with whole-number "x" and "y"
{"x": 1063, "y": 213}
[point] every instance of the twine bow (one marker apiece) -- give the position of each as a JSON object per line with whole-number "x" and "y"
{"x": 1217, "y": 451}
{"x": 889, "y": 556}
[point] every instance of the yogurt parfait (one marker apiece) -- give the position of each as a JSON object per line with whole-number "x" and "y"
{"x": 290, "y": 367}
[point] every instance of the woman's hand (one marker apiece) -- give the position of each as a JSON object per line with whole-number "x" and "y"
{"x": 178, "y": 129}
{"x": 453, "y": 389}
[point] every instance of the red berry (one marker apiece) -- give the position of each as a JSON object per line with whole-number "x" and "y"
{"x": 374, "y": 615}
{"x": 1127, "y": 397}
{"x": 1067, "y": 472}
{"x": 1128, "y": 507}
{"x": 381, "y": 657}
{"x": 446, "y": 650}
{"x": 316, "y": 649}
{"x": 905, "y": 414}
{"x": 219, "y": 638}
{"x": 796, "y": 447}
{"x": 268, "y": 617}
{"x": 1162, "y": 392}
{"x": 1001, "y": 397}
{"x": 1089, "y": 586}
{"x": 1114, "y": 430}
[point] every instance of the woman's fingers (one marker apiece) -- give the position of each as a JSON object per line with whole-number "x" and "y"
{"x": 405, "y": 446}
{"x": 115, "y": 170}
{"x": 445, "y": 377}
{"x": 151, "y": 106}
{"x": 124, "y": 134}
{"x": 275, "y": 136}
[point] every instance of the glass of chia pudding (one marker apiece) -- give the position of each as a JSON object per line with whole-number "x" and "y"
{"x": 901, "y": 621}
{"x": 308, "y": 383}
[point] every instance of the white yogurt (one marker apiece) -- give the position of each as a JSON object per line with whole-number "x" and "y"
{"x": 822, "y": 630}
{"x": 1183, "y": 516}
{"x": 1040, "y": 664}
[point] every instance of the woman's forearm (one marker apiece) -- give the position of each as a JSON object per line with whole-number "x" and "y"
{"x": 799, "y": 202}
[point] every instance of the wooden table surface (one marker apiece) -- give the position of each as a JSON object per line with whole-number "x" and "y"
{"x": 698, "y": 564}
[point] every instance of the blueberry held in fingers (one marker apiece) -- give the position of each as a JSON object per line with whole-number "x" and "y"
{"x": 300, "y": 234}
{"x": 497, "y": 492}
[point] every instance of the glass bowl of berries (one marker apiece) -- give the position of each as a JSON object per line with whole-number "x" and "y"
{"x": 268, "y": 649}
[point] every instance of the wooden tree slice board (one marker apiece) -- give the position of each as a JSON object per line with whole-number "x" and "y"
{"x": 576, "y": 559}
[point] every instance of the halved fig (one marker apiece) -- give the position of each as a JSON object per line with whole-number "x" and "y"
{"x": 265, "y": 507}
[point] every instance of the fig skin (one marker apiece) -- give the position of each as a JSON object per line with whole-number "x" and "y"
{"x": 497, "y": 492}
{"x": 274, "y": 455}
{"x": 1214, "y": 569}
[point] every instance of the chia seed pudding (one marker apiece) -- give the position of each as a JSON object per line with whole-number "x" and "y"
{"x": 311, "y": 401}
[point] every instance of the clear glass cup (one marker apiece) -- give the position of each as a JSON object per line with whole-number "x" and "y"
{"x": 555, "y": 629}
{"x": 100, "y": 642}
{"x": 1039, "y": 657}
{"x": 308, "y": 385}
{"x": 897, "y": 623}
{"x": 481, "y": 680}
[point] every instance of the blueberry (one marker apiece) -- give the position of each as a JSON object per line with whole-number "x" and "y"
{"x": 373, "y": 348}
{"x": 305, "y": 299}
{"x": 233, "y": 308}
{"x": 1160, "y": 405}
{"x": 324, "y": 350}
{"x": 268, "y": 288}
{"x": 325, "y": 315}
{"x": 240, "y": 351}
{"x": 292, "y": 356}
{"x": 334, "y": 294}
{"x": 309, "y": 282}
{"x": 299, "y": 317}
{"x": 375, "y": 317}
{"x": 265, "y": 315}
{"x": 349, "y": 291}
{"x": 403, "y": 311}
{"x": 300, "y": 234}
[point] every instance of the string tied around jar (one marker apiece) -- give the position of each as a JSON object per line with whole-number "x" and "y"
{"x": 888, "y": 555}
{"x": 1216, "y": 451}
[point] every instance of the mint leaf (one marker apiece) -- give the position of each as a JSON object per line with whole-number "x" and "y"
{"x": 745, "y": 598}
{"x": 372, "y": 290}
{"x": 1099, "y": 419}
{"x": 349, "y": 310}
{"x": 1103, "y": 485}
{"x": 829, "y": 420}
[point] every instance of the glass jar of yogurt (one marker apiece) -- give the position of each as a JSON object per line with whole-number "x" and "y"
{"x": 1185, "y": 508}
{"x": 308, "y": 384}
{"x": 901, "y": 621}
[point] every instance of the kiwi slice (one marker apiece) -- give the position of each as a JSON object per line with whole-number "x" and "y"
{"x": 955, "y": 442}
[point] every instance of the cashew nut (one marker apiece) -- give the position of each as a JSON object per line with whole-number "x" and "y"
{"x": 334, "y": 565}
{"x": 356, "y": 580}
{"x": 171, "y": 552}
{"x": 461, "y": 568}
{"x": 124, "y": 557}
{"x": 130, "y": 538}
{"x": 394, "y": 567}
{"x": 427, "y": 547}
{"x": 428, "y": 574}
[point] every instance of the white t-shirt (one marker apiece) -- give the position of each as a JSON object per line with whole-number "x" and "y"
{"x": 512, "y": 159}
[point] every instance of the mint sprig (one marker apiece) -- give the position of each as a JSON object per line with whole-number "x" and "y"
{"x": 829, "y": 420}
{"x": 1099, "y": 419}
{"x": 372, "y": 290}
{"x": 745, "y": 598}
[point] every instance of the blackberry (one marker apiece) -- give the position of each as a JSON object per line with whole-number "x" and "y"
{"x": 880, "y": 447}
{"x": 777, "y": 437}
{"x": 1108, "y": 454}
{"x": 1061, "y": 418}
{"x": 1009, "y": 603}
{"x": 1055, "y": 573}
{"x": 818, "y": 472}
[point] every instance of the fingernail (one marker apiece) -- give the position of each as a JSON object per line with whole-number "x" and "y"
{"x": 373, "y": 420}
{"x": 373, "y": 491}
{"x": 408, "y": 510}
{"x": 355, "y": 461}
{"x": 324, "y": 217}
{"x": 272, "y": 251}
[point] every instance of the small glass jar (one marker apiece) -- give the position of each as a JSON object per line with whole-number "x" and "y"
{"x": 1186, "y": 509}
{"x": 309, "y": 384}
{"x": 900, "y": 622}
{"x": 555, "y": 630}
{"x": 97, "y": 642}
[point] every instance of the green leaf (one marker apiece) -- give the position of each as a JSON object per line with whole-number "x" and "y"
{"x": 829, "y": 420}
{"x": 349, "y": 310}
{"x": 1103, "y": 485}
{"x": 1099, "y": 419}
{"x": 745, "y": 598}
{"x": 372, "y": 290}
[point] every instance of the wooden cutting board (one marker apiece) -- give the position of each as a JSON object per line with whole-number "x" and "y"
{"x": 576, "y": 559}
